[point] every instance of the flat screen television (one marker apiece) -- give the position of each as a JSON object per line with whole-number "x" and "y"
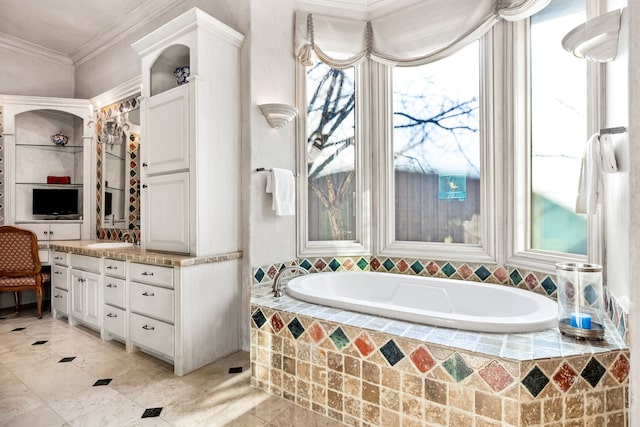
{"x": 55, "y": 201}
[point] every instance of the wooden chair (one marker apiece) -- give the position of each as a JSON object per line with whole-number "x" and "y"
{"x": 20, "y": 267}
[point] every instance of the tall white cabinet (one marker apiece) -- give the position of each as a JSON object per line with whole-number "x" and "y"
{"x": 190, "y": 175}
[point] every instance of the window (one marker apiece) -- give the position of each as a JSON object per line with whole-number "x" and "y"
{"x": 334, "y": 203}
{"x": 436, "y": 150}
{"x": 558, "y": 130}
{"x": 330, "y": 153}
{"x": 475, "y": 157}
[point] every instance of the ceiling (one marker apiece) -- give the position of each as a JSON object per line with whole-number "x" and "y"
{"x": 73, "y": 31}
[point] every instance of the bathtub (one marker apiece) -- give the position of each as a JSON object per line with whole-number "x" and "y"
{"x": 432, "y": 301}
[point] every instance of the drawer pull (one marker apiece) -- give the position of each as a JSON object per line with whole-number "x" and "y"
{"x": 57, "y": 296}
{"x": 148, "y": 328}
{"x": 57, "y": 257}
{"x": 57, "y": 272}
{"x": 82, "y": 280}
{"x": 147, "y": 294}
{"x": 111, "y": 267}
{"x": 110, "y": 285}
{"x": 144, "y": 273}
{"x": 111, "y": 315}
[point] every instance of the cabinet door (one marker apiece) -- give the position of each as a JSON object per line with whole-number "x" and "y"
{"x": 92, "y": 298}
{"x": 77, "y": 294}
{"x": 64, "y": 231}
{"x": 165, "y": 210}
{"x": 166, "y": 127}
{"x": 41, "y": 230}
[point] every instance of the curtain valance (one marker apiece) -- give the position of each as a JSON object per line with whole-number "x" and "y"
{"x": 424, "y": 32}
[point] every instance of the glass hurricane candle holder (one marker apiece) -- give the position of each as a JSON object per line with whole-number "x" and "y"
{"x": 580, "y": 300}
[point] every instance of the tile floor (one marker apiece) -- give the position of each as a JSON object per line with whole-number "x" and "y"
{"x": 52, "y": 374}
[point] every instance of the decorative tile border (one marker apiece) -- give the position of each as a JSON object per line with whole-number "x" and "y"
{"x": 363, "y": 377}
{"x": 106, "y": 112}
{"x": 496, "y": 274}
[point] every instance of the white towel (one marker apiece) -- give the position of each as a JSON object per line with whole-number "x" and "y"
{"x": 607, "y": 154}
{"x": 281, "y": 183}
{"x": 591, "y": 188}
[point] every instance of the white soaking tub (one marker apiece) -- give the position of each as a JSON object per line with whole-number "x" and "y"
{"x": 432, "y": 301}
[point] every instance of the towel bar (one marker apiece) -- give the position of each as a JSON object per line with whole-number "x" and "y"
{"x": 269, "y": 170}
{"x": 619, "y": 129}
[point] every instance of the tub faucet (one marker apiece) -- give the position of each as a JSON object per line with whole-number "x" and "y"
{"x": 277, "y": 287}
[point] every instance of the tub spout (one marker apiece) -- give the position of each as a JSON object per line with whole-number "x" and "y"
{"x": 277, "y": 287}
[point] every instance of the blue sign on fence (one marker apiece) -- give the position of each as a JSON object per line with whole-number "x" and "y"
{"x": 452, "y": 187}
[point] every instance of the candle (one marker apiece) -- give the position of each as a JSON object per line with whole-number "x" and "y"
{"x": 581, "y": 320}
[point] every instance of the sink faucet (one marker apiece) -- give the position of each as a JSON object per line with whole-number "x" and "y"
{"x": 277, "y": 288}
{"x": 129, "y": 236}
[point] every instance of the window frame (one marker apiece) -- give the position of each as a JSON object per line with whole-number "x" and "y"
{"x": 361, "y": 245}
{"x": 517, "y": 128}
{"x": 387, "y": 244}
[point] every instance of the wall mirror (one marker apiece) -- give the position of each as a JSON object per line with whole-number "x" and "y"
{"x": 118, "y": 137}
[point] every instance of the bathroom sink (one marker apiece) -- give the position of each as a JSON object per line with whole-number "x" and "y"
{"x": 109, "y": 245}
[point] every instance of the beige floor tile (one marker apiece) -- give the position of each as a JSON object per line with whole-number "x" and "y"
{"x": 77, "y": 405}
{"x": 38, "y": 417}
{"x": 119, "y": 411}
{"x": 270, "y": 408}
{"x": 297, "y": 416}
{"x": 20, "y": 402}
{"x": 40, "y": 388}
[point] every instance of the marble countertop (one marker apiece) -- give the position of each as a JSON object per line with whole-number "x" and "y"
{"x": 137, "y": 254}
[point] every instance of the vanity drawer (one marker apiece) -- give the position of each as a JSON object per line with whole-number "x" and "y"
{"x": 86, "y": 263}
{"x": 113, "y": 291}
{"x": 150, "y": 333}
{"x": 113, "y": 320}
{"x": 154, "y": 274}
{"x": 60, "y": 277}
{"x": 60, "y": 300}
{"x": 60, "y": 258}
{"x": 151, "y": 300}
{"x": 114, "y": 268}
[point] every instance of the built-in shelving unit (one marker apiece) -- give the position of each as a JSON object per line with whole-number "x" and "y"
{"x": 32, "y": 157}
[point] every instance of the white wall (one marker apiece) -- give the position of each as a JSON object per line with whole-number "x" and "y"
{"x": 24, "y": 74}
{"x": 617, "y": 184}
{"x": 268, "y": 238}
{"x": 633, "y": 9}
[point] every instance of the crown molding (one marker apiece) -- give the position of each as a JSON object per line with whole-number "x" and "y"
{"x": 136, "y": 19}
{"x": 124, "y": 90}
{"x": 358, "y": 9}
{"x": 33, "y": 49}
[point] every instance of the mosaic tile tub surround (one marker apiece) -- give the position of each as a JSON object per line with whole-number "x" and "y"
{"x": 364, "y": 370}
{"x": 541, "y": 283}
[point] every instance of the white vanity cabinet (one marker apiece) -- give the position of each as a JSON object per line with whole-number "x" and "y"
{"x": 186, "y": 311}
{"x": 59, "y": 284}
{"x": 114, "y": 309}
{"x": 192, "y": 131}
{"x": 152, "y": 307}
{"x": 85, "y": 283}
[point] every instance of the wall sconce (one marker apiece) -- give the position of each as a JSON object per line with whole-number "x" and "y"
{"x": 597, "y": 39}
{"x": 278, "y": 115}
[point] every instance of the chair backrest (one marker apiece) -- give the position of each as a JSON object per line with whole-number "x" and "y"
{"x": 18, "y": 252}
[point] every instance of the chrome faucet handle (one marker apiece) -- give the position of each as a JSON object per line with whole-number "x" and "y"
{"x": 277, "y": 287}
